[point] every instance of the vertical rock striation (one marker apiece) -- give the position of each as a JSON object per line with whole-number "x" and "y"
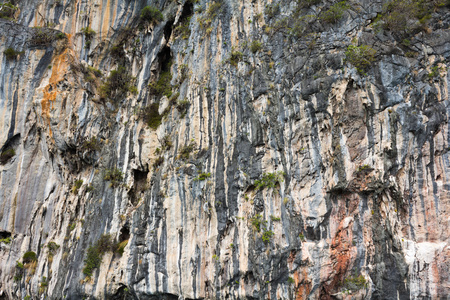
{"x": 224, "y": 150}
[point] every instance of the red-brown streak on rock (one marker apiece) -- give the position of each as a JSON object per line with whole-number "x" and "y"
{"x": 303, "y": 284}
{"x": 61, "y": 65}
{"x": 341, "y": 254}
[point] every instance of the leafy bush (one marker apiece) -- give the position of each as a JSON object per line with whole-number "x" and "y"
{"x": 271, "y": 10}
{"x": 121, "y": 247}
{"x": 255, "y": 46}
{"x": 117, "y": 85}
{"x": 355, "y": 283}
{"x": 212, "y": 12}
{"x": 77, "y": 185}
{"x": 6, "y": 240}
{"x": 258, "y": 222}
{"x": 183, "y": 106}
{"x": 11, "y": 54}
{"x": 93, "y": 144}
{"x": 95, "y": 253}
{"x": 267, "y": 235}
{"x": 114, "y": 175}
{"x": 29, "y": 256}
{"x": 7, "y": 10}
{"x": 361, "y": 57}
{"x": 270, "y": 180}
{"x": 7, "y": 155}
{"x": 42, "y": 37}
{"x": 185, "y": 151}
{"x": 151, "y": 14}
{"x": 183, "y": 29}
{"x": 335, "y": 12}
{"x": 151, "y": 115}
{"x": 202, "y": 176}
{"x": 235, "y": 58}
{"x": 162, "y": 86}
{"x": 52, "y": 247}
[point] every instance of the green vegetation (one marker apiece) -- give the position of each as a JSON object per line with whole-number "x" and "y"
{"x": 255, "y": 46}
{"x": 95, "y": 253}
{"x": 151, "y": 116}
{"x": 183, "y": 29}
{"x": 435, "y": 72}
{"x": 182, "y": 106}
{"x": 365, "y": 167}
{"x": 213, "y": 10}
{"x": 258, "y": 222}
{"x": 235, "y": 58}
{"x": 202, "y": 176}
{"x": 52, "y": 248}
{"x": 267, "y": 235}
{"x": 29, "y": 256}
{"x": 7, "y": 155}
{"x": 77, "y": 185}
{"x": 6, "y": 240}
{"x": 335, "y": 12}
{"x": 114, "y": 175}
{"x": 93, "y": 144}
{"x": 302, "y": 236}
{"x": 11, "y": 54}
{"x": 19, "y": 265}
{"x": 88, "y": 34}
{"x": 162, "y": 87}
{"x": 151, "y": 15}
{"x": 271, "y": 10}
{"x": 43, "y": 285}
{"x": 291, "y": 280}
{"x": 158, "y": 162}
{"x": 270, "y": 180}
{"x": 7, "y": 10}
{"x": 275, "y": 219}
{"x": 117, "y": 85}
{"x": 355, "y": 283}
{"x": 121, "y": 247}
{"x": 362, "y": 57}
{"x": 185, "y": 151}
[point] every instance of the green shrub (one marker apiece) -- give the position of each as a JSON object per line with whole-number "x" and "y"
{"x": 88, "y": 32}
{"x": 291, "y": 280}
{"x": 52, "y": 247}
{"x": 235, "y": 58}
{"x": 114, "y": 175}
{"x": 307, "y": 3}
{"x": 11, "y": 54}
{"x": 151, "y": 116}
{"x": 435, "y": 72}
{"x": 335, "y": 12}
{"x": 95, "y": 253}
{"x": 255, "y": 46}
{"x": 7, "y": 155}
{"x": 257, "y": 222}
{"x": 42, "y": 37}
{"x": 182, "y": 106}
{"x": 6, "y": 240}
{"x": 117, "y": 85}
{"x": 7, "y": 10}
{"x": 361, "y": 57}
{"x": 270, "y": 180}
{"x": 267, "y": 236}
{"x": 162, "y": 86}
{"x": 151, "y": 14}
{"x": 77, "y": 185}
{"x": 19, "y": 265}
{"x": 355, "y": 283}
{"x": 183, "y": 29}
{"x": 275, "y": 219}
{"x": 29, "y": 256}
{"x": 214, "y": 9}
{"x": 93, "y": 144}
{"x": 202, "y": 176}
{"x": 271, "y": 10}
{"x": 185, "y": 151}
{"x": 158, "y": 162}
{"x": 121, "y": 247}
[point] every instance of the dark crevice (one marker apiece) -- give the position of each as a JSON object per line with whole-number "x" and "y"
{"x": 168, "y": 29}
{"x": 5, "y": 234}
{"x": 164, "y": 59}
{"x": 188, "y": 10}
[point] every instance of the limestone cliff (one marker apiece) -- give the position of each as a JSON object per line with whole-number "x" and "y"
{"x": 224, "y": 150}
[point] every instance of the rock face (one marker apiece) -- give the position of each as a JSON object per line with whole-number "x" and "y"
{"x": 224, "y": 150}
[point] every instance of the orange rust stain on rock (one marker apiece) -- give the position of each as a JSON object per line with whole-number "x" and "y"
{"x": 61, "y": 64}
{"x": 303, "y": 284}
